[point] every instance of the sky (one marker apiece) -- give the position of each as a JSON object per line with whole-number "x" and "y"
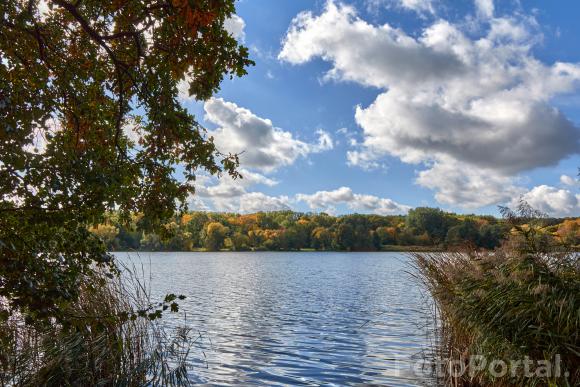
{"x": 379, "y": 106}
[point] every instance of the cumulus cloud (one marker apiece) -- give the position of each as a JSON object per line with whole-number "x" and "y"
{"x": 236, "y": 199}
{"x": 227, "y": 194}
{"x": 225, "y": 186}
{"x": 472, "y": 110}
{"x": 569, "y": 180}
{"x": 363, "y": 159}
{"x": 419, "y": 6}
{"x": 328, "y": 200}
{"x": 484, "y": 8}
{"x": 257, "y": 201}
{"x": 472, "y": 188}
{"x": 553, "y": 201}
{"x": 235, "y": 26}
{"x": 262, "y": 145}
{"x": 197, "y": 204}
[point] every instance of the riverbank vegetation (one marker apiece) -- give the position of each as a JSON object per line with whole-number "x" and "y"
{"x": 90, "y": 122}
{"x": 108, "y": 336}
{"x": 421, "y": 230}
{"x": 517, "y": 303}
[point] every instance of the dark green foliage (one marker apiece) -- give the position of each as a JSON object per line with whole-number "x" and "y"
{"x": 491, "y": 235}
{"x": 464, "y": 233}
{"x": 90, "y": 122}
{"x": 345, "y": 238}
{"x": 432, "y": 221}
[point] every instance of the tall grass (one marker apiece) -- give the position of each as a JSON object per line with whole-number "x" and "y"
{"x": 515, "y": 302}
{"x": 101, "y": 346}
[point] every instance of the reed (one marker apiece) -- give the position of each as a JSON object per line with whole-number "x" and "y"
{"x": 99, "y": 346}
{"x": 520, "y": 301}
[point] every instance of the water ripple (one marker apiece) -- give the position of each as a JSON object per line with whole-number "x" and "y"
{"x": 280, "y": 319}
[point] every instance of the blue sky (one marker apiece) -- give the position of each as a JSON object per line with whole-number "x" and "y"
{"x": 378, "y": 106}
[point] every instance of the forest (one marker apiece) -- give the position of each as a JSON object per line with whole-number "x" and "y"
{"x": 421, "y": 229}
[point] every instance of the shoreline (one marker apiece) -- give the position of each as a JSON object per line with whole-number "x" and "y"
{"x": 398, "y": 249}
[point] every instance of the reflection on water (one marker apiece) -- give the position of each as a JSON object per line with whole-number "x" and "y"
{"x": 298, "y": 318}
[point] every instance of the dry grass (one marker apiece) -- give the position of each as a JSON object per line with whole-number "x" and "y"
{"x": 506, "y": 304}
{"x": 101, "y": 347}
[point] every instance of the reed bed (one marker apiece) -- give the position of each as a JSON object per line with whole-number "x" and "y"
{"x": 508, "y": 305}
{"x": 100, "y": 346}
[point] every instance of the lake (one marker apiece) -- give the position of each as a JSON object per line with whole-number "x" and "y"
{"x": 319, "y": 318}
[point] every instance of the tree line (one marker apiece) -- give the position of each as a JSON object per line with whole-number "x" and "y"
{"x": 421, "y": 228}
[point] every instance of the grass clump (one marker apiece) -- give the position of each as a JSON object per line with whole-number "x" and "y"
{"x": 518, "y": 304}
{"x": 104, "y": 343}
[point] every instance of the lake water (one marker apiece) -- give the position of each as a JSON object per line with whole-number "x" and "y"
{"x": 273, "y": 318}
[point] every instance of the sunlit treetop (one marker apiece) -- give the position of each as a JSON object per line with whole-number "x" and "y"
{"x": 90, "y": 121}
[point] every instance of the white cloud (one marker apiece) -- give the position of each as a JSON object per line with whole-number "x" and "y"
{"x": 327, "y": 201}
{"x": 235, "y": 26}
{"x": 373, "y": 56}
{"x": 257, "y": 201}
{"x": 569, "y": 180}
{"x": 226, "y": 187}
{"x": 324, "y": 141}
{"x": 377, "y": 205}
{"x": 227, "y": 194}
{"x": 484, "y": 8}
{"x": 231, "y": 198}
{"x": 418, "y": 6}
{"x": 553, "y": 201}
{"x": 197, "y": 204}
{"x": 183, "y": 89}
{"x": 474, "y": 111}
{"x": 252, "y": 178}
{"x": 365, "y": 159}
{"x": 471, "y": 187}
{"x": 262, "y": 145}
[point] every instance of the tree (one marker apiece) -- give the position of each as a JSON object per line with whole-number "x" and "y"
{"x": 321, "y": 238}
{"x": 491, "y": 235}
{"x": 387, "y": 235}
{"x": 90, "y": 121}
{"x": 105, "y": 232}
{"x": 465, "y": 232}
{"x": 239, "y": 242}
{"x": 433, "y": 221}
{"x": 345, "y": 238}
{"x": 195, "y": 225}
{"x": 215, "y": 235}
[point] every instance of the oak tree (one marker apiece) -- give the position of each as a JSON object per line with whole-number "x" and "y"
{"x": 91, "y": 121}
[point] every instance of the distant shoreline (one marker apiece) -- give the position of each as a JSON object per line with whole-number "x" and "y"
{"x": 385, "y": 249}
